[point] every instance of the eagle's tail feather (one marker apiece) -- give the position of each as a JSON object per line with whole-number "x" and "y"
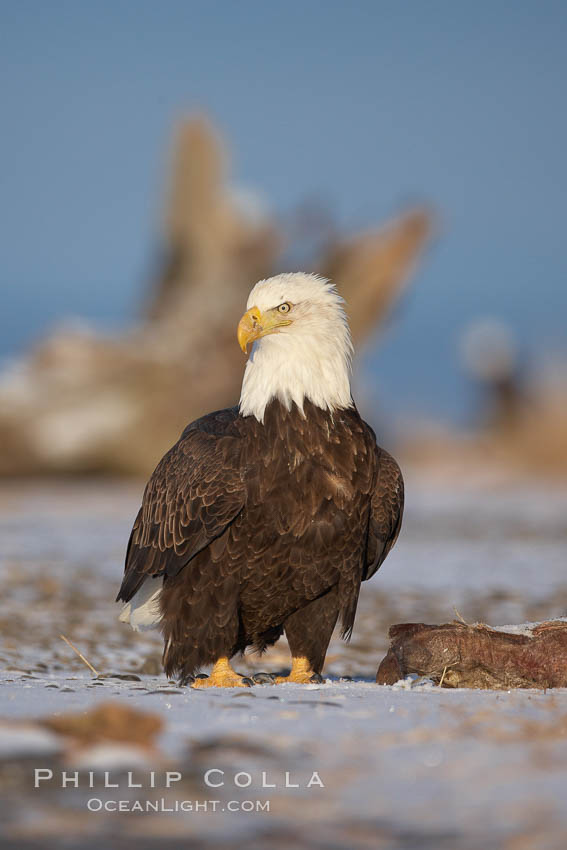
{"x": 142, "y": 612}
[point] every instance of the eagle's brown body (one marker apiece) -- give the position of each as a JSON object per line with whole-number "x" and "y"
{"x": 263, "y": 527}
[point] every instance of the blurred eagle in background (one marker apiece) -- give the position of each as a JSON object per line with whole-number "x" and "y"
{"x": 265, "y": 518}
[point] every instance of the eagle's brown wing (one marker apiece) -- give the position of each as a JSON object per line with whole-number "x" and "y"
{"x": 386, "y": 512}
{"x": 195, "y": 492}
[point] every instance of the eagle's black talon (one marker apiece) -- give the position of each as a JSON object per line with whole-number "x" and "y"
{"x": 264, "y": 678}
{"x": 201, "y": 676}
{"x": 247, "y": 682}
{"x": 316, "y": 678}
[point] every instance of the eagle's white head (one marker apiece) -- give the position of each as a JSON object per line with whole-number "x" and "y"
{"x": 301, "y": 345}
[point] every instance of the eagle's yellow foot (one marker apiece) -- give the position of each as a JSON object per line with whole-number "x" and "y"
{"x": 222, "y": 676}
{"x": 301, "y": 673}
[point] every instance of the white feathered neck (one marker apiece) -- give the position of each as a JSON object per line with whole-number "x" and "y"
{"x": 309, "y": 359}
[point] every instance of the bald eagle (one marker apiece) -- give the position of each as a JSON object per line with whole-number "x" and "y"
{"x": 266, "y": 517}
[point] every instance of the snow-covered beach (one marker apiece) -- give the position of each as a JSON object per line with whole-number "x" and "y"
{"x": 405, "y": 766}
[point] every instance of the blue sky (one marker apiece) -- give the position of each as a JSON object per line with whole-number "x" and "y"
{"x": 369, "y": 105}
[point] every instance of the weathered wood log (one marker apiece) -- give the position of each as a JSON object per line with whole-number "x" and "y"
{"x": 373, "y": 268}
{"x": 81, "y": 402}
{"x": 456, "y": 655}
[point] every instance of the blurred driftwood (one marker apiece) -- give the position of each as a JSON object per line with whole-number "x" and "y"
{"x": 457, "y": 655}
{"x": 81, "y": 402}
{"x": 214, "y": 247}
{"x": 372, "y": 268}
{"x": 532, "y": 442}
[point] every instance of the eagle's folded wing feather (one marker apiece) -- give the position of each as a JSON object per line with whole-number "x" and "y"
{"x": 195, "y": 492}
{"x": 386, "y": 512}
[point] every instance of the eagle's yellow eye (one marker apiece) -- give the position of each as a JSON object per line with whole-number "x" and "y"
{"x": 284, "y": 308}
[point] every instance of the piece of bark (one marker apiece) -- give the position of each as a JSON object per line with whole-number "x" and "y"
{"x": 457, "y": 655}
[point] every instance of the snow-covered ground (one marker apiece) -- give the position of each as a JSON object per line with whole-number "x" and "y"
{"x": 410, "y": 766}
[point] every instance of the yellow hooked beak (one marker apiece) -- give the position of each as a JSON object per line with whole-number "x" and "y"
{"x": 255, "y": 324}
